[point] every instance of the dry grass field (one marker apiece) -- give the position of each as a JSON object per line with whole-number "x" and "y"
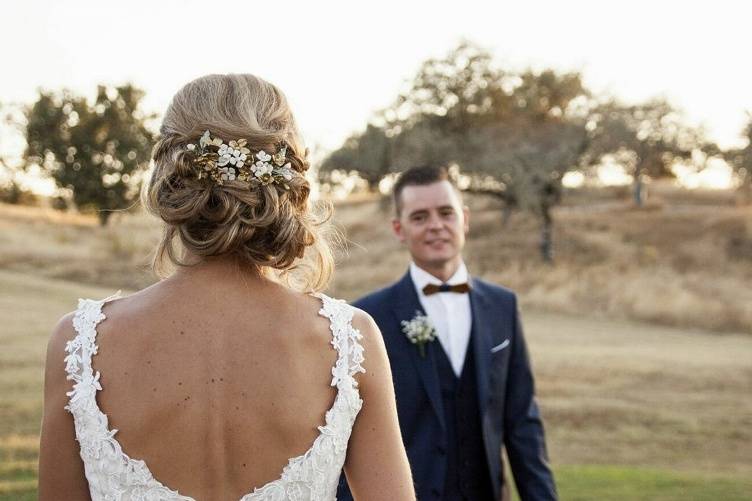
{"x": 639, "y": 334}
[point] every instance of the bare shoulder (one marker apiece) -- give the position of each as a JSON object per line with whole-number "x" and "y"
{"x": 61, "y": 334}
{"x": 376, "y": 362}
{"x": 61, "y": 471}
{"x": 372, "y": 340}
{"x": 56, "y": 382}
{"x": 365, "y": 324}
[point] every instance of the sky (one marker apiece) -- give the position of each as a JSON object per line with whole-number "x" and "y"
{"x": 339, "y": 62}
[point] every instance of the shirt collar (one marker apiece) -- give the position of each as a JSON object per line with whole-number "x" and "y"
{"x": 421, "y": 277}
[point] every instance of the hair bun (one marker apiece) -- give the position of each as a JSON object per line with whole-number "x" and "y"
{"x": 266, "y": 225}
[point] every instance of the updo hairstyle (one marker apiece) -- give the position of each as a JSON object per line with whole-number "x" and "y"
{"x": 273, "y": 229}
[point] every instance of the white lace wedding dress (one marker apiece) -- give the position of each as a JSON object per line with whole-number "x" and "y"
{"x": 113, "y": 475}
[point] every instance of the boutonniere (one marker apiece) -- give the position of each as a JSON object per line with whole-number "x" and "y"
{"x": 419, "y": 331}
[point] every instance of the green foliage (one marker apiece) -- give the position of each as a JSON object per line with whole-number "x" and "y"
{"x": 97, "y": 151}
{"x": 530, "y": 148}
{"x": 455, "y": 93}
{"x": 740, "y": 160}
{"x": 424, "y": 142}
{"x": 368, "y": 154}
{"x": 515, "y": 135}
{"x": 11, "y": 191}
{"x": 647, "y": 139}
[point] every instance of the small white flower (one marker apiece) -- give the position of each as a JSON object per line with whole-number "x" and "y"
{"x": 222, "y": 150}
{"x": 263, "y": 156}
{"x": 191, "y": 147}
{"x": 227, "y": 173}
{"x": 285, "y": 172}
{"x": 260, "y": 168}
{"x": 238, "y": 158}
{"x": 224, "y": 160}
{"x": 262, "y": 171}
{"x": 419, "y": 331}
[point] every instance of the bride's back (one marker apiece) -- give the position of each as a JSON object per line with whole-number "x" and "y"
{"x": 215, "y": 385}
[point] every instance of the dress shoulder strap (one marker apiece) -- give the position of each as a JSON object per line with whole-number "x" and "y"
{"x": 345, "y": 339}
{"x": 82, "y": 348}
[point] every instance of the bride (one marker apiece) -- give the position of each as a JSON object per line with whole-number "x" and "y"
{"x": 233, "y": 378}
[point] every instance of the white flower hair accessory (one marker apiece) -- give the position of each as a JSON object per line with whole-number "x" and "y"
{"x": 222, "y": 162}
{"x": 419, "y": 331}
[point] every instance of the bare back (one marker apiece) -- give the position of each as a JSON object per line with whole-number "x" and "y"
{"x": 228, "y": 387}
{"x": 215, "y": 392}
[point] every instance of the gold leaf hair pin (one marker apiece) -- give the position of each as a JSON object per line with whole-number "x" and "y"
{"x": 222, "y": 162}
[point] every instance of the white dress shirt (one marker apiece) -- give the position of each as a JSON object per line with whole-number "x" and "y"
{"x": 449, "y": 313}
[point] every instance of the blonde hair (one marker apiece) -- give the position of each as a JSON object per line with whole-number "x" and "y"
{"x": 267, "y": 227}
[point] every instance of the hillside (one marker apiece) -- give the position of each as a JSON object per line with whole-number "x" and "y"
{"x": 683, "y": 261}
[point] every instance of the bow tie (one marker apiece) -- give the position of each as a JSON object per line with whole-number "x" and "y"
{"x": 458, "y": 288}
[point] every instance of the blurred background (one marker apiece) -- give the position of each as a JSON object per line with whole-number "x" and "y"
{"x": 605, "y": 150}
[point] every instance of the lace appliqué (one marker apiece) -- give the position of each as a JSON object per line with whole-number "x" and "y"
{"x": 112, "y": 475}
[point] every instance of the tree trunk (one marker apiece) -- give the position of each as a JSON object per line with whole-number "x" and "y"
{"x": 638, "y": 193}
{"x": 546, "y": 243}
{"x": 506, "y": 214}
{"x": 744, "y": 192}
{"x": 104, "y": 216}
{"x": 385, "y": 203}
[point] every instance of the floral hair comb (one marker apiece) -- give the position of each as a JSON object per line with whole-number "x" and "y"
{"x": 221, "y": 162}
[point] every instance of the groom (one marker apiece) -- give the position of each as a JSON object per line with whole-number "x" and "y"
{"x": 469, "y": 391}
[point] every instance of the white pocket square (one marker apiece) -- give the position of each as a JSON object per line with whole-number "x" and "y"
{"x": 500, "y": 347}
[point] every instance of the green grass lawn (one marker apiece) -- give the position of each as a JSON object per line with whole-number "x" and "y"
{"x": 575, "y": 483}
{"x": 612, "y": 483}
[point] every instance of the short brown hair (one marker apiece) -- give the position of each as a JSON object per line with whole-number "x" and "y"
{"x": 419, "y": 176}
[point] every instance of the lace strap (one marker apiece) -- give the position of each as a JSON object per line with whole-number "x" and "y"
{"x": 345, "y": 339}
{"x": 81, "y": 349}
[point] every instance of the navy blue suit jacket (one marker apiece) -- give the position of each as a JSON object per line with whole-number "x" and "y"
{"x": 509, "y": 412}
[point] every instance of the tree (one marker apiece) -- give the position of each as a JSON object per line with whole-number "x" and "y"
{"x": 740, "y": 160}
{"x": 10, "y": 190}
{"x": 450, "y": 96}
{"x": 422, "y": 143}
{"x": 524, "y": 164}
{"x": 11, "y": 187}
{"x": 647, "y": 139}
{"x": 514, "y": 134}
{"x": 534, "y": 142}
{"x": 97, "y": 151}
{"x": 368, "y": 154}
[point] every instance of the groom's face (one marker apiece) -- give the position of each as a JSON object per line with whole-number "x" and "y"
{"x": 432, "y": 223}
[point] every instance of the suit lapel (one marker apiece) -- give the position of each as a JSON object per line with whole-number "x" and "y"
{"x": 405, "y": 306}
{"x": 482, "y": 339}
